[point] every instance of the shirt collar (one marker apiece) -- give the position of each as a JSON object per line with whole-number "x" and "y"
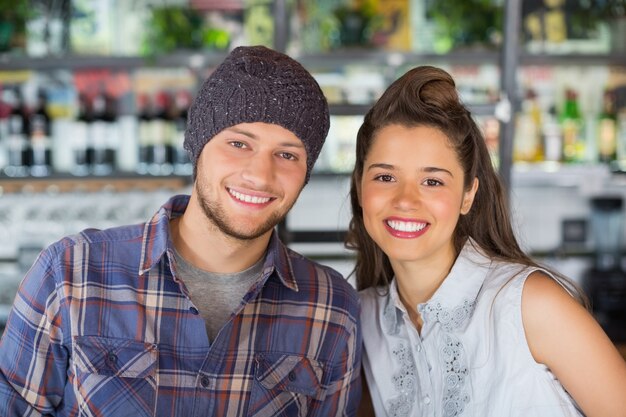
{"x": 454, "y": 300}
{"x": 156, "y": 232}
{"x": 278, "y": 259}
{"x": 156, "y": 236}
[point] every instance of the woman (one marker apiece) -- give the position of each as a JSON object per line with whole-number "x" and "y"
{"x": 457, "y": 319}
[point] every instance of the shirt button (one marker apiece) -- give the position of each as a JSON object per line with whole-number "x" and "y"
{"x": 193, "y": 310}
{"x": 205, "y": 381}
{"x": 292, "y": 376}
{"x": 111, "y": 358}
{"x": 427, "y": 400}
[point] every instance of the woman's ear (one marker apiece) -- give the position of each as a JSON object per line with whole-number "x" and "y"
{"x": 468, "y": 197}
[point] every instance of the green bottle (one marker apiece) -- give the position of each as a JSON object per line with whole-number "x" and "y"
{"x": 572, "y": 128}
{"x": 607, "y": 129}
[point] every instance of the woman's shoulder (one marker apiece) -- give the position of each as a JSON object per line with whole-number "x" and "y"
{"x": 371, "y": 292}
{"x": 511, "y": 275}
{"x": 372, "y": 297}
{"x": 505, "y": 282}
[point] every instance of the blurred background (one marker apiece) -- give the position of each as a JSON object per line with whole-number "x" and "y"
{"x": 94, "y": 95}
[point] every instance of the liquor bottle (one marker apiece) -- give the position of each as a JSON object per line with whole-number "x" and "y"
{"x": 17, "y": 141}
{"x": 572, "y": 127}
{"x": 5, "y": 111}
{"x": 552, "y": 137}
{"x": 97, "y": 138}
{"x": 528, "y": 143}
{"x": 182, "y": 163}
{"x": 112, "y": 129}
{"x": 127, "y": 155}
{"x": 40, "y": 133}
{"x": 80, "y": 142}
{"x": 145, "y": 133}
{"x": 63, "y": 111}
{"x": 607, "y": 129}
{"x": 161, "y": 128}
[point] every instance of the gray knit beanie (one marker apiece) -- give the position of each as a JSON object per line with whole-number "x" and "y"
{"x": 257, "y": 84}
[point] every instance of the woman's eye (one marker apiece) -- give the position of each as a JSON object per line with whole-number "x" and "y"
{"x": 384, "y": 178}
{"x": 432, "y": 183}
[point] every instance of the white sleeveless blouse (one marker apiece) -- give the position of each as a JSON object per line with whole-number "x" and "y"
{"x": 471, "y": 358}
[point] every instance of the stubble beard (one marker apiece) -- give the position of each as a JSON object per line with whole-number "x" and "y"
{"x": 216, "y": 214}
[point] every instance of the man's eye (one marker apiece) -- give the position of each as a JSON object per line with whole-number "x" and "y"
{"x": 288, "y": 156}
{"x": 237, "y": 144}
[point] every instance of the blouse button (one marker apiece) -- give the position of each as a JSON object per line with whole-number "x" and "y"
{"x": 419, "y": 348}
{"x": 427, "y": 400}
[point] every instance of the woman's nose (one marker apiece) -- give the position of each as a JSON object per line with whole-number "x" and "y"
{"x": 407, "y": 197}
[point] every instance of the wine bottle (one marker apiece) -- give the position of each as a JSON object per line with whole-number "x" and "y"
{"x": 112, "y": 130}
{"x": 98, "y": 138}
{"x": 182, "y": 163}
{"x": 40, "y": 133}
{"x": 145, "y": 133}
{"x": 572, "y": 127}
{"x": 17, "y": 146}
{"x": 161, "y": 128}
{"x": 528, "y": 143}
{"x": 80, "y": 135}
{"x": 607, "y": 129}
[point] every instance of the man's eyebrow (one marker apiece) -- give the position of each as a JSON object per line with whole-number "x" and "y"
{"x": 254, "y": 136}
{"x": 244, "y": 132}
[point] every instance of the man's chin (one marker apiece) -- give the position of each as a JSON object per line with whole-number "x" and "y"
{"x": 248, "y": 232}
{"x": 246, "y": 235}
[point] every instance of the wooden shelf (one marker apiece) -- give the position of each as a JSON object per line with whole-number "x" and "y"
{"x": 117, "y": 182}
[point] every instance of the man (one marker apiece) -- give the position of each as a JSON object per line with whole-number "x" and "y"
{"x": 201, "y": 311}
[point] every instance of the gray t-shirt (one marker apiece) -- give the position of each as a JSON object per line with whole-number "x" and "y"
{"x": 216, "y": 296}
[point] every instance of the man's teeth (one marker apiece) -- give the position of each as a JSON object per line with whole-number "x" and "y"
{"x": 405, "y": 226}
{"x": 249, "y": 198}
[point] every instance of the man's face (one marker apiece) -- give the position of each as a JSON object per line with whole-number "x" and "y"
{"x": 248, "y": 178}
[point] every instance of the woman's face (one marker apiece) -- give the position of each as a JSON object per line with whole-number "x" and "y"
{"x": 412, "y": 193}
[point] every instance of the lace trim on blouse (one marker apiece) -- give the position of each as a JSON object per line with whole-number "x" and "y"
{"x": 452, "y": 357}
{"x": 405, "y": 383}
{"x": 450, "y": 319}
{"x": 455, "y": 397}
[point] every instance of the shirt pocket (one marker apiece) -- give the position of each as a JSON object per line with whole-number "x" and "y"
{"x": 284, "y": 385}
{"x": 115, "y": 377}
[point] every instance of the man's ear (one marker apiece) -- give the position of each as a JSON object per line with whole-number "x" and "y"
{"x": 468, "y": 197}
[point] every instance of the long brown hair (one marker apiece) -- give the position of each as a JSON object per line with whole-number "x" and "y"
{"x": 427, "y": 96}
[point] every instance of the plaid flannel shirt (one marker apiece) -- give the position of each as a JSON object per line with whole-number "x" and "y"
{"x": 102, "y": 326}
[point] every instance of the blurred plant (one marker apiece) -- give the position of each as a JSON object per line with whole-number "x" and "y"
{"x": 173, "y": 27}
{"x": 610, "y": 8}
{"x": 466, "y": 23}
{"x": 176, "y": 27}
{"x": 357, "y": 22}
{"x": 13, "y": 17}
